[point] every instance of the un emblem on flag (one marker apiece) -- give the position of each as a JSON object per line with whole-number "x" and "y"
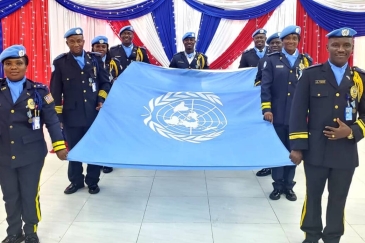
{"x": 186, "y": 116}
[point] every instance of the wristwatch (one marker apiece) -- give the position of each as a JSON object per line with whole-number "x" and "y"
{"x": 351, "y": 136}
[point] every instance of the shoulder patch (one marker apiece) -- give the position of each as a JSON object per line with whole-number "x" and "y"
{"x": 248, "y": 50}
{"x": 307, "y": 56}
{"x": 48, "y": 98}
{"x": 357, "y": 69}
{"x": 315, "y": 65}
{"x": 273, "y": 53}
{"x": 60, "y": 56}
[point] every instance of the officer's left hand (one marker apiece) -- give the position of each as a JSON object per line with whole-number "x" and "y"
{"x": 337, "y": 133}
{"x": 62, "y": 154}
{"x": 99, "y": 106}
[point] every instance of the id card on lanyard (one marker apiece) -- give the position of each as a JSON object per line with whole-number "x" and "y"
{"x": 348, "y": 109}
{"x": 92, "y": 84}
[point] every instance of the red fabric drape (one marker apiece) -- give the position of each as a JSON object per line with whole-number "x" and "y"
{"x": 241, "y": 43}
{"x": 29, "y": 27}
{"x": 117, "y": 25}
{"x": 313, "y": 37}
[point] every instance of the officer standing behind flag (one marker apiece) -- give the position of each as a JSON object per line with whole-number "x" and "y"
{"x": 280, "y": 75}
{"x": 25, "y": 106}
{"x": 334, "y": 95}
{"x": 189, "y": 58}
{"x": 251, "y": 57}
{"x": 100, "y": 44}
{"x": 128, "y": 52}
{"x": 80, "y": 78}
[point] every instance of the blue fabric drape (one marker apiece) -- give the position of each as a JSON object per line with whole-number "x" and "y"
{"x": 9, "y": 6}
{"x": 208, "y": 27}
{"x": 330, "y": 19}
{"x": 114, "y": 14}
{"x": 249, "y": 13}
{"x": 163, "y": 17}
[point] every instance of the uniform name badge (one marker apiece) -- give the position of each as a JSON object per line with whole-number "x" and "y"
{"x": 36, "y": 123}
{"x": 348, "y": 113}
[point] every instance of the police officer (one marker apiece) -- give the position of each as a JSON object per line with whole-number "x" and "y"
{"x": 189, "y": 58}
{"x": 128, "y": 52}
{"x": 251, "y": 57}
{"x": 25, "y": 106}
{"x": 80, "y": 78}
{"x": 275, "y": 45}
{"x": 100, "y": 45}
{"x": 326, "y": 137}
{"x": 280, "y": 75}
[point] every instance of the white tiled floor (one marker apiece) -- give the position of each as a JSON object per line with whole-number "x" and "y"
{"x": 180, "y": 207}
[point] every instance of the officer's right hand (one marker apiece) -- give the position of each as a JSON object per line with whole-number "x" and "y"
{"x": 268, "y": 116}
{"x": 296, "y": 156}
{"x": 62, "y": 154}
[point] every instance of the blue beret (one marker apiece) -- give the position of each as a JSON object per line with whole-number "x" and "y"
{"x": 73, "y": 31}
{"x": 188, "y": 35}
{"x": 128, "y": 27}
{"x": 291, "y": 29}
{"x": 273, "y": 36}
{"x": 15, "y": 51}
{"x": 100, "y": 40}
{"x": 342, "y": 32}
{"x": 259, "y": 31}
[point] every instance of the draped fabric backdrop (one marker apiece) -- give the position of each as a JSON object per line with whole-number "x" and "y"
{"x": 224, "y": 28}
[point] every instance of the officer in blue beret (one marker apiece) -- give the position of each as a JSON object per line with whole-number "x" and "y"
{"x": 190, "y": 58}
{"x": 100, "y": 45}
{"x": 80, "y": 78}
{"x": 280, "y": 74}
{"x": 128, "y": 52}
{"x": 326, "y": 137}
{"x": 25, "y": 106}
{"x": 251, "y": 57}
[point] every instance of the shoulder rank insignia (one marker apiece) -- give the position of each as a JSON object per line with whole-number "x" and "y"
{"x": 362, "y": 71}
{"x": 315, "y": 65}
{"x": 307, "y": 56}
{"x": 48, "y": 98}
{"x": 59, "y": 56}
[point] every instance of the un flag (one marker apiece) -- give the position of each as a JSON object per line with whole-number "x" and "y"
{"x": 163, "y": 118}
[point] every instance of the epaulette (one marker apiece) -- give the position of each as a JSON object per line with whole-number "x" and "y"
{"x": 59, "y": 56}
{"x": 94, "y": 53}
{"x": 273, "y": 53}
{"x": 359, "y": 70}
{"x": 116, "y": 46}
{"x": 315, "y": 65}
{"x": 248, "y": 50}
{"x": 307, "y": 56}
{"x": 200, "y": 53}
{"x": 142, "y": 47}
{"x": 38, "y": 85}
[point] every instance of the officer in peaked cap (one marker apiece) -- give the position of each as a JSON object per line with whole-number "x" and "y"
{"x": 251, "y": 57}
{"x": 189, "y": 58}
{"x": 79, "y": 77}
{"x": 325, "y": 138}
{"x": 127, "y": 51}
{"x": 25, "y": 107}
{"x": 280, "y": 76}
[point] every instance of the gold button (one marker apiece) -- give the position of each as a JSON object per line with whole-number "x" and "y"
{"x": 334, "y": 119}
{"x": 12, "y": 142}
{"x": 84, "y": 91}
{"x": 67, "y": 79}
{"x": 85, "y": 100}
{"x": 291, "y": 71}
{"x": 11, "y": 127}
{"x": 289, "y": 82}
{"x": 337, "y": 94}
{"x": 12, "y": 111}
{"x": 318, "y": 94}
{"x": 288, "y": 94}
{"x": 12, "y": 157}
{"x": 82, "y": 72}
{"x": 336, "y": 106}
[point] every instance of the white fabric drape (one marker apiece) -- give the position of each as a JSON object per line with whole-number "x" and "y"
{"x": 233, "y": 5}
{"x": 226, "y": 33}
{"x": 344, "y": 5}
{"x": 145, "y": 28}
{"x": 61, "y": 20}
{"x": 108, "y": 5}
{"x": 283, "y": 16}
{"x": 186, "y": 19}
